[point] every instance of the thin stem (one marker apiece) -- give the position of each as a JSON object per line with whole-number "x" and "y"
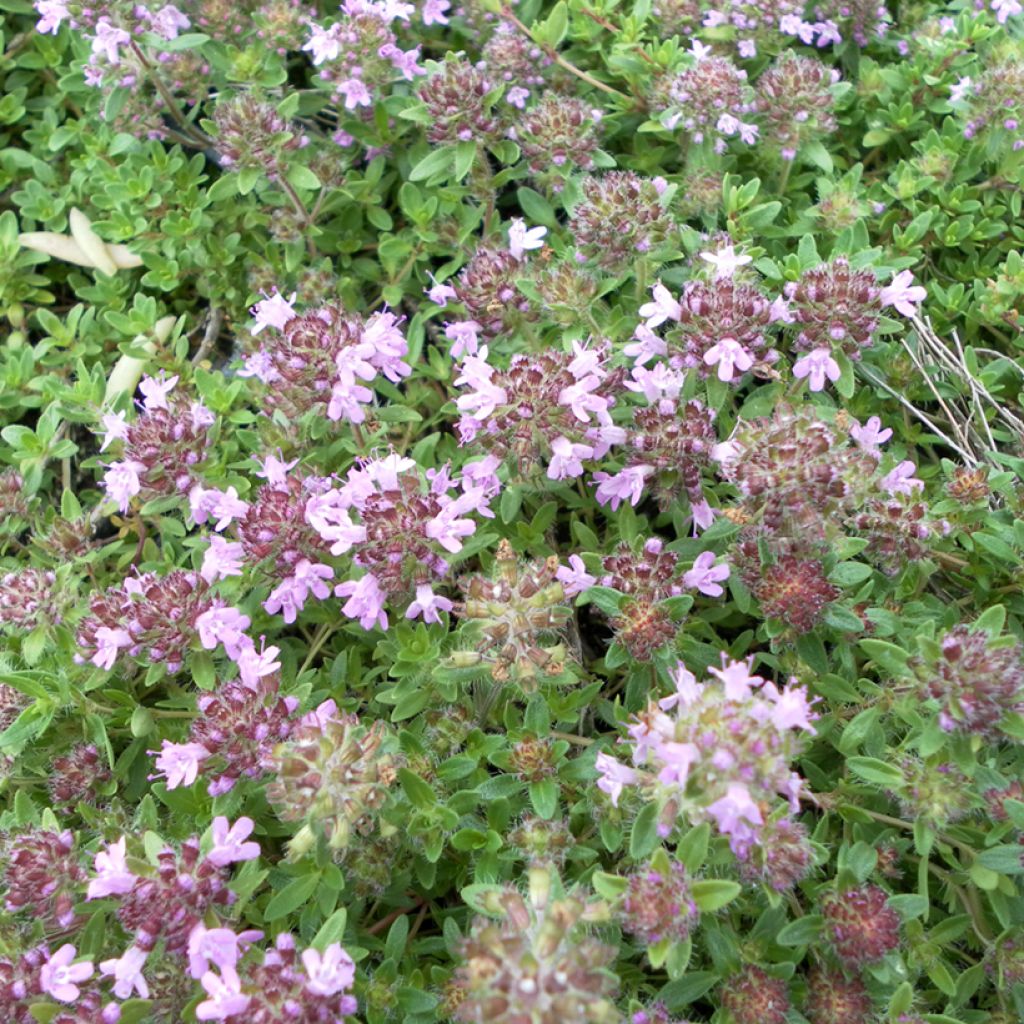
{"x": 571, "y": 737}
{"x": 507, "y": 14}
{"x": 210, "y": 336}
{"x": 300, "y": 209}
{"x": 197, "y": 137}
{"x": 323, "y": 634}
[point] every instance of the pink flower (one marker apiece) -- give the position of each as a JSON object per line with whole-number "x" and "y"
{"x": 464, "y": 336}
{"x": 355, "y": 92}
{"x": 112, "y": 875}
{"x": 676, "y": 758}
{"x": 730, "y": 356}
{"x": 330, "y": 973}
{"x": 58, "y": 977}
{"x": 576, "y": 578}
{"x": 168, "y": 22}
{"x": 447, "y": 528}
{"x": 792, "y": 710}
{"x": 290, "y": 596}
{"x": 663, "y": 308}
{"x": 647, "y": 346}
{"x": 901, "y": 480}
{"x": 736, "y": 678}
{"x": 108, "y": 39}
{"x": 365, "y": 601}
{"x": 736, "y": 812}
{"x": 218, "y": 946}
{"x": 179, "y": 763}
{"x": 901, "y": 293}
{"x": 116, "y": 426}
{"x": 225, "y": 992}
{"x": 614, "y": 776}
{"x": 121, "y": 482}
{"x": 226, "y": 626}
{"x": 433, "y": 12}
{"x": 565, "y": 458}
{"x": 629, "y": 483}
{"x": 817, "y": 365}
{"x": 228, "y": 845}
{"x": 871, "y": 435}
{"x": 221, "y": 559}
{"x": 51, "y": 14}
{"x": 275, "y": 470}
{"x": 521, "y": 238}
{"x": 253, "y": 665}
{"x": 127, "y": 973}
{"x": 726, "y": 261}
{"x": 155, "y": 392}
{"x": 1005, "y": 9}
{"x": 324, "y": 44}
{"x": 440, "y": 294}
{"x": 273, "y": 311}
{"x": 705, "y": 575}
{"x": 428, "y": 604}
{"x": 108, "y": 643}
{"x": 960, "y": 89}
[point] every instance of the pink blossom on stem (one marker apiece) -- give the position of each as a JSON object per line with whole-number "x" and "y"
{"x": 464, "y": 336}
{"x": 225, "y": 995}
{"x": 330, "y": 972}
{"x": 705, "y": 576}
{"x": 901, "y": 480}
{"x": 253, "y": 665}
{"x": 179, "y": 763}
{"x": 565, "y": 458}
{"x": 273, "y": 311}
{"x": 365, "y": 601}
{"x": 115, "y": 425}
{"x": 903, "y": 294}
{"x": 228, "y": 842}
{"x": 736, "y": 813}
{"x": 226, "y": 626}
{"x": 575, "y": 578}
{"x": 218, "y": 946}
{"x": 521, "y": 239}
{"x": 662, "y": 308}
{"x": 816, "y": 366}
{"x": 108, "y": 40}
{"x": 113, "y": 877}
{"x": 155, "y": 392}
{"x": 433, "y": 12}
{"x": 126, "y": 971}
{"x": 275, "y": 470}
{"x": 726, "y": 261}
{"x": 871, "y": 435}
{"x": 122, "y": 483}
{"x": 428, "y": 604}
{"x": 627, "y": 484}
{"x": 729, "y": 355}
{"x": 108, "y": 642}
{"x": 51, "y": 14}
{"x": 221, "y": 559}
{"x": 58, "y": 977}
{"x": 614, "y": 776}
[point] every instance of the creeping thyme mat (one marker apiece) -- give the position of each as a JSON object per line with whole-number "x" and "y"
{"x": 511, "y": 513}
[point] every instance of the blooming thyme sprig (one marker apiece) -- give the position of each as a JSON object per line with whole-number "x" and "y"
{"x": 358, "y": 55}
{"x": 549, "y": 408}
{"x": 42, "y": 876}
{"x": 721, "y": 327}
{"x": 723, "y": 756}
{"x": 39, "y": 974}
{"x": 536, "y": 961}
{"x": 510, "y": 58}
{"x": 249, "y": 134}
{"x": 710, "y": 100}
{"x": 863, "y": 21}
{"x": 322, "y": 360}
{"x": 30, "y": 598}
{"x": 993, "y": 102}
{"x": 333, "y": 774}
{"x": 488, "y": 291}
{"x": 395, "y": 521}
{"x": 459, "y": 98}
{"x": 161, "y": 450}
{"x": 308, "y": 989}
{"x": 235, "y": 731}
{"x": 167, "y": 901}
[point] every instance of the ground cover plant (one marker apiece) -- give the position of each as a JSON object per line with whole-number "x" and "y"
{"x": 511, "y": 512}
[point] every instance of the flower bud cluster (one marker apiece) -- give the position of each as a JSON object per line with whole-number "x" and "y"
{"x": 553, "y": 407}
{"x": 995, "y": 101}
{"x": 322, "y": 360}
{"x": 249, "y": 134}
{"x": 516, "y": 616}
{"x": 795, "y": 102}
{"x": 403, "y": 520}
{"x": 710, "y": 101}
{"x": 146, "y": 615}
{"x": 487, "y": 288}
{"x": 161, "y": 449}
{"x": 834, "y": 997}
{"x": 783, "y": 856}
{"x": 510, "y": 58}
{"x": 620, "y": 216}
{"x": 333, "y": 774}
{"x": 754, "y": 997}
{"x": 863, "y": 21}
{"x": 861, "y": 925}
{"x": 974, "y": 679}
{"x": 359, "y": 53}
{"x": 536, "y": 962}
{"x": 42, "y": 876}
{"x": 723, "y": 756}
{"x": 557, "y": 135}
{"x": 29, "y": 598}
{"x": 458, "y": 99}
{"x": 78, "y": 776}
{"x": 657, "y": 905}
{"x": 793, "y": 588}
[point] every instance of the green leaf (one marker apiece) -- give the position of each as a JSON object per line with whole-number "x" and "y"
{"x": 692, "y": 850}
{"x": 292, "y": 896}
{"x": 420, "y": 794}
{"x": 644, "y": 836}
{"x": 611, "y": 887}
{"x": 1006, "y": 859}
{"x": 465, "y": 157}
{"x": 544, "y": 797}
{"x": 537, "y": 208}
{"x": 332, "y": 930}
{"x": 302, "y": 177}
{"x": 437, "y": 161}
{"x": 552, "y": 31}
{"x": 714, "y": 893}
{"x": 885, "y": 655}
{"x": 992, "y": 620}
{"x": 871, "y": 769}
{"x": 802, "y": 932}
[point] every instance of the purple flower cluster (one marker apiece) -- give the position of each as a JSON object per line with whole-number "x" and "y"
{"x": 723, "y": 756}
{"x": 324, "y": 359}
